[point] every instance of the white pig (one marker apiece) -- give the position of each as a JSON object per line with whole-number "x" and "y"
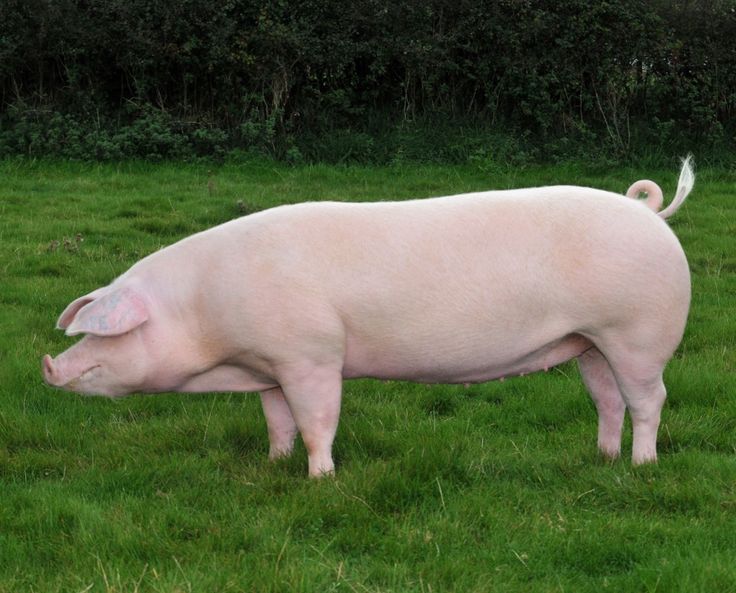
{"x": 459, "y": 289}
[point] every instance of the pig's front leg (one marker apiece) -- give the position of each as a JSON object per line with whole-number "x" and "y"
{"x": 313, "y": 395}
{"x": 281, "y": 426}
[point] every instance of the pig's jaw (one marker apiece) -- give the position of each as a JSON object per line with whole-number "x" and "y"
{"x": 78, "y": 383}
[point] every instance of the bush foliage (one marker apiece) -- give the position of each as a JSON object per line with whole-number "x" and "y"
{"x": 154, "y": 78}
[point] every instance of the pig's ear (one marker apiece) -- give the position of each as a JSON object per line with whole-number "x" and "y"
{"x": 73, "y": 308}
{"x": 112, "y": 314}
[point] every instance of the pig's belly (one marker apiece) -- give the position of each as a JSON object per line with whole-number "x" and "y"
{"x": 478, "y": 365}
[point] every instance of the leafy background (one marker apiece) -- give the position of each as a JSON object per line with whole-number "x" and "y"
{"x": 367, "y": 81}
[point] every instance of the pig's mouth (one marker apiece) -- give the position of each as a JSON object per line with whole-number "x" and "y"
{"x": 73, "y": 384}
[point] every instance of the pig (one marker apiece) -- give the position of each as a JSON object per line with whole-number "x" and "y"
{"x": 461, "y": 289}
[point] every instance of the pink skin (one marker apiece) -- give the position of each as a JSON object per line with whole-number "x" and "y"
{"x": 461, "y": 289}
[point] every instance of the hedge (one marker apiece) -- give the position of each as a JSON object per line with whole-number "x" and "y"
{"x": 112, "y": 78}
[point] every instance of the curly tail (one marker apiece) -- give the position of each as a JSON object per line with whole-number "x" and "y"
{"x": 654, "y": 199}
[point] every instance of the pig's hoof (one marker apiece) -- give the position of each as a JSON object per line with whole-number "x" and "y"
{"x": 609, "y": 454}
{"x": 276, "y": 454}
{"x": 330, "y": 473}
{"x": 642, "y": 460}
{"x": 321, "y": 470}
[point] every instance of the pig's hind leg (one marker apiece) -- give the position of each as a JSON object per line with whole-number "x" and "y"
{"x": 637, "y": 362}
{"x": 644, "y": 393}
{"x": 601, "y": 383}
{"x": 281, "y": 426}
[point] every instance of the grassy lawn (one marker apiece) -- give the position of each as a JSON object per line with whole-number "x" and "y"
{"x": 493, "y": 488}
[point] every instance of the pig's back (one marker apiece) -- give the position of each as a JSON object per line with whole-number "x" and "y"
{"x": 538, "y": 234}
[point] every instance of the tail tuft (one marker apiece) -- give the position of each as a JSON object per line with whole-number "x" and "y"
{"x": 684, "y": 187}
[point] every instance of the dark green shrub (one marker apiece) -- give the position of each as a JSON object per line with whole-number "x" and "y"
{"x": 158, "y": 79}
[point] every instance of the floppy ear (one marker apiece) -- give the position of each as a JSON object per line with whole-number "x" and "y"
{"x": 73, "y": 308}
{"x": 114, "y": 313}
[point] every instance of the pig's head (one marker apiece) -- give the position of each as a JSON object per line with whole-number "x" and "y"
{"x": 112, "y": 358}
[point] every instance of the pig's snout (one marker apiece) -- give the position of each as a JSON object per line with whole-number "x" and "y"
{"x": 55, "y": 376}
{"x": 50, "y": 375}
{"x": 71, "y": 376}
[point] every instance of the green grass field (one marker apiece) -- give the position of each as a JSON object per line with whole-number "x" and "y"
{"x": 493, "y": 488}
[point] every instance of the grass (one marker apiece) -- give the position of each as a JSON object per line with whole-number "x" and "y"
{"x": 493, "y": 488}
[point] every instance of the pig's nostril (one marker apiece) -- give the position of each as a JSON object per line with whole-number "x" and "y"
{"x": 48, "y": 368}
